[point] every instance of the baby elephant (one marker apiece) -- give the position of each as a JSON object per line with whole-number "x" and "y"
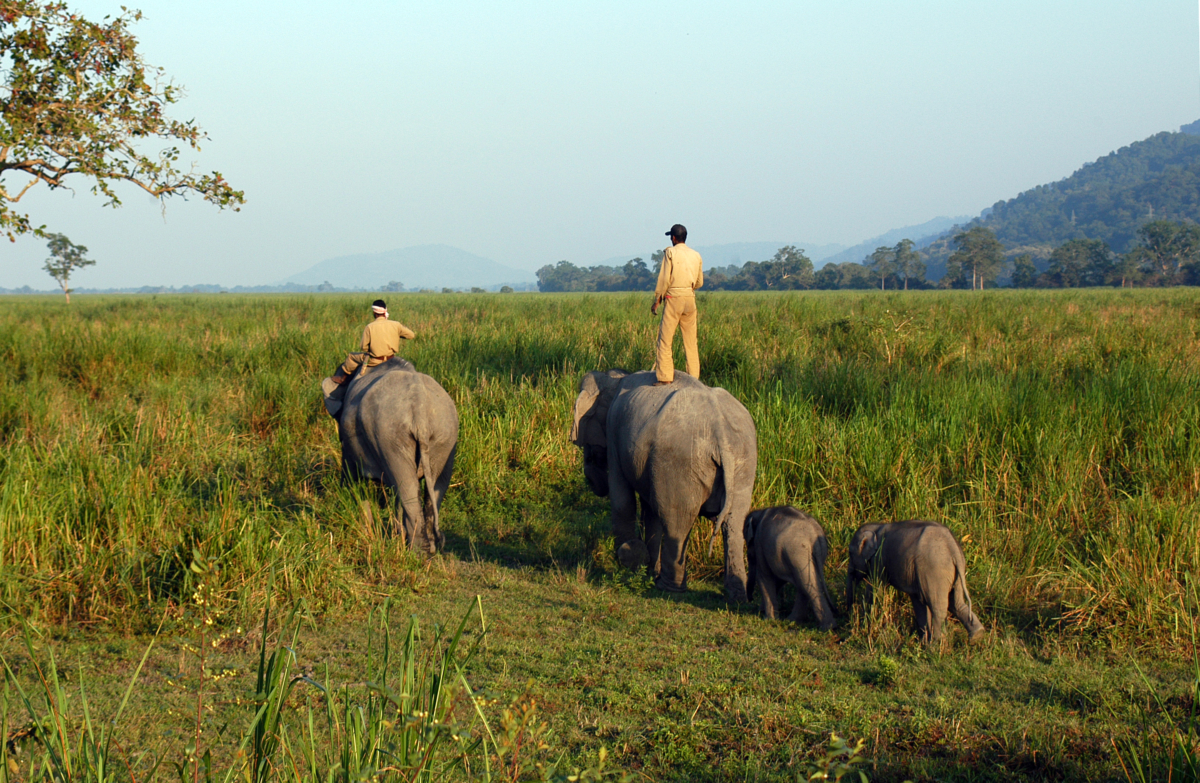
{"x": 922, "y": 559}
{"x": 786, "y": 544}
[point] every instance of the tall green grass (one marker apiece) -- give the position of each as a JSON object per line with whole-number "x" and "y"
{"x": 1057, "y": 433}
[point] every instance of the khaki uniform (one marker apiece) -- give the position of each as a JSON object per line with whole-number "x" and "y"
{"x": 380, "y": 341}
{"x": 681, "y": 273}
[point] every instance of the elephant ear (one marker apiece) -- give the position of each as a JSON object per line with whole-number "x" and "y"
{"x": 750, "y": 529}
{"x": 596, "y": 391}
{"x": 868, "y": 545}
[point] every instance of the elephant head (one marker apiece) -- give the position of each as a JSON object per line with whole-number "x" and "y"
{"x": 589, "y": 432}
{"x": 863, "y": 548}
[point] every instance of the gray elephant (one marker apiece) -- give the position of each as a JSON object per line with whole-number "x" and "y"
{"x": 399, "y": 426}
{"x": 684, "y": 449}
{"x": 783, "y": 544}
{"x": 923, "y": 560}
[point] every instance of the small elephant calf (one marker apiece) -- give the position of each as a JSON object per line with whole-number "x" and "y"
{"x": 923, "y": 560}
{"x": 785, "y": 544}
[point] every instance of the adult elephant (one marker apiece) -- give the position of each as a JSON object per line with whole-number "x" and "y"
{"x": 685, "y": 450}
{"x": 399, "y": 426}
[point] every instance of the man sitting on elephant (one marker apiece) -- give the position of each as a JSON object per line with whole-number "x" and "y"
{"x": 380, "y": 341}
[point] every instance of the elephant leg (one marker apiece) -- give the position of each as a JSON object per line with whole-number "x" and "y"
{"x": 436, "y": 490}
{"x": 769, "y": 587}
{"x": 939, "y": 603}
{"x": 735, "y": 545}
{"x": 810, "y": 595}
{"x": 819, "y": 566}
{"x": 401, "y": 474}
{"x": 672, "y": 570}
{"x": 623, "y": 504}
{"x": 648, "y": 516}
{"x": 652, "y": 531}
{"x": 801, "y": 610}
{"x": 920, "y": 618}
{"x": 630, "y": 549}
{"x": 656, "y": 534}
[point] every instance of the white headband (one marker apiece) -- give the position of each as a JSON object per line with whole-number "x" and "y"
{"x": 378, "y": 310}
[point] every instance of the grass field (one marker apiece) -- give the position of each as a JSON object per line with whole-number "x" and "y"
{"x": 1057, "y": 433}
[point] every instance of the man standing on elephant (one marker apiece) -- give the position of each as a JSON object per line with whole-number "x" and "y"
{"x": 681, "y": 273}
{"x": 380, "y": 341}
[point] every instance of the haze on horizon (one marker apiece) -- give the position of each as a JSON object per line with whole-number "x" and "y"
{"x": 533, "y": 132}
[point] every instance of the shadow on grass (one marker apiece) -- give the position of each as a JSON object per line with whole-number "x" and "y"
{"x": 1072, "y": 697}
{"x": 524, "y": 538}
{"x": 515, "y": 555}
{"x": 1038, "y": 627}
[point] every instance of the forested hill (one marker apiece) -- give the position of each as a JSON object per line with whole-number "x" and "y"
{"x": 1154, "y": 179}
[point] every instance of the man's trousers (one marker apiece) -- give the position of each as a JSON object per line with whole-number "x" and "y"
{"x": 677, "y": 311}
{"x": 360, "y": 358}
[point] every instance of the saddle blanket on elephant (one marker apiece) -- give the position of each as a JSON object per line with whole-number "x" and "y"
{"x": 334, "y": 392}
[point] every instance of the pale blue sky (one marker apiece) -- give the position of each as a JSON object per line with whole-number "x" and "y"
{"x": 533, "y": 132}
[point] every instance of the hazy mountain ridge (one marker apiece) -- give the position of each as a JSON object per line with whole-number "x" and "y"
{"x": 1157, "y": 178}
{"x": 420, "y": 266}
{"x": 921, "y": 234}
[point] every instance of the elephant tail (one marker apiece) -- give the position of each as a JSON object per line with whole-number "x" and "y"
{"x": 960, "y": 600}
{"x": 960, "y": 596}
{"x": 723, "y": 521}
{"x": 824, "y": 614}
{"x": 430, "y": 479}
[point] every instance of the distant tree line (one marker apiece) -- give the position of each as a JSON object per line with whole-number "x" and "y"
{"x": 788, "y": 270}
{"x": 1166, "y": 253}
{"x": 633, "y": 276}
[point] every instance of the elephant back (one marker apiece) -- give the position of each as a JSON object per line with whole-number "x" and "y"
{"x": 396, "y": 404}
